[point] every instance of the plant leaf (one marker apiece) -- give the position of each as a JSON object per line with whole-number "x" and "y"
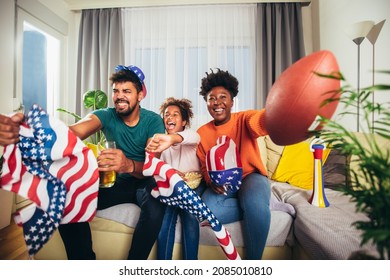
{"x": 77, "y": 117}
{"x": 95, "y": 99}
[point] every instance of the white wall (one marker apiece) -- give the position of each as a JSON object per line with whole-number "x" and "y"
{"x": 7, "y": 46}
{"x": 334, "y": 16}
{"x": 6, "y": 87}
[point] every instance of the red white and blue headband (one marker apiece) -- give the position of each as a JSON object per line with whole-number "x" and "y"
{"x": 137, "y": 71}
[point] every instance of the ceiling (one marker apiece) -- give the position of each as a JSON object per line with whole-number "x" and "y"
{"x": 96, "y": 4}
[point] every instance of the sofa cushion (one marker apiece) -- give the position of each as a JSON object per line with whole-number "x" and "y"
{"x": 324, "y": 233}
{"x": 279, "y": 233}
{"x": 128, "y": 213}
{"x": 297, "y": 164}
{"x": 263, "y": 149}
{"x": 274, "y": 153}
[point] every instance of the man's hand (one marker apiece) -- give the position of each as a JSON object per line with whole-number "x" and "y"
{"x": 115, "y": 159}
{"x": 9, "y": 128}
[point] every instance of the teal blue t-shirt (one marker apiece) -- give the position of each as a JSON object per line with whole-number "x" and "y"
{"x": 131, "y": 140}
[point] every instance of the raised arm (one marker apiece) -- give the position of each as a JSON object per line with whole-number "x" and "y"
{"x": 161, "y": 142}
{"x": 86, "y": 126}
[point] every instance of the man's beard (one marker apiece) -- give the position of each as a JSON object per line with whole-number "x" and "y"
{"x": 127, "y": 112}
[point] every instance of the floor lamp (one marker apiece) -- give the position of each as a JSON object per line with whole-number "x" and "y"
{"x": 357, "y": 32}
{"x": 372, "y": 36}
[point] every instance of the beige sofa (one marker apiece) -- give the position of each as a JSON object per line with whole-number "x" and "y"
{"x": 312, "y": 233}
{"x": 112, "y": 229}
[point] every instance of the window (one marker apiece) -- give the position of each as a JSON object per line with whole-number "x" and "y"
{"x": 38, "y": 63}
{"x": 176, "y": 46}
{"x": 38, "y": 60}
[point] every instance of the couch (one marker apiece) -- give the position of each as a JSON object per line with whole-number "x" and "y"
{"x": 309, "y": 232}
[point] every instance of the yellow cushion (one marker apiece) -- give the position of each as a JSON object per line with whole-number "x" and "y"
{"x": 296, "y": 166}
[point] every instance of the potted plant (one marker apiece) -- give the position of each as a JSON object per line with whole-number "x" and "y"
{"x": 94, "y": 99}
{"x": 369, "y": 187}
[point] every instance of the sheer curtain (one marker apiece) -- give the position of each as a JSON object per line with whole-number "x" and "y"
{"x": 175, "y": 46}
{"x": 100, "y": 50}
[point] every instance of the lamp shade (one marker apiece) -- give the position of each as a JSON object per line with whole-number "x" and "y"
{"x": 372, "y": 36}
{"x": 358, "y": 31}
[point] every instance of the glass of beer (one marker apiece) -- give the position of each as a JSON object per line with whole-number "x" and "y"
{"x": 107, "y": 178}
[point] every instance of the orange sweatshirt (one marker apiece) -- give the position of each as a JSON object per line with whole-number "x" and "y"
{"x": 243, "y": 128}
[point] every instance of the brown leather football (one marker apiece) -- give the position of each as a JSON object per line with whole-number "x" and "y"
{"x": 296, "y": 98}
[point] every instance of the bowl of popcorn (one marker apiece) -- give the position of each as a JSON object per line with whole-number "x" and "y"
{"x": 193, "y": 179}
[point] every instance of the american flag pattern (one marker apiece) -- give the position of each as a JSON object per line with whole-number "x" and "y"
{"x": 52, "y": 168}
{"x": 172, "y": 190}
{"x": 223, "y": 163}
{"x": 136, "y": 71}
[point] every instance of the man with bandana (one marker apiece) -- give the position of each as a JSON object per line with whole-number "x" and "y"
{"x": 131, "y": 127}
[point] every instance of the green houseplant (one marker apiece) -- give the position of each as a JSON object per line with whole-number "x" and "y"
{"x": 369, "y": 187}
{"x": 93, "y": 99}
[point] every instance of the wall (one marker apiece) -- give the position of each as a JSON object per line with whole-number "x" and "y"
{"x": 6, "y": 87}
{"x": 331, "y": 18}
{"x": 7, "y": 46}
{"x": 94, "y": 4}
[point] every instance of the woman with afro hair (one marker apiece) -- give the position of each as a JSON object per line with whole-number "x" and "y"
{"x": 251, "y": 203}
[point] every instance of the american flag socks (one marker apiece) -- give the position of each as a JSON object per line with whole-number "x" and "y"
{"x": 172, "y": 190}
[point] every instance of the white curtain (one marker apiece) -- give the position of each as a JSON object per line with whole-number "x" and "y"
{"x": 176, "y": 46}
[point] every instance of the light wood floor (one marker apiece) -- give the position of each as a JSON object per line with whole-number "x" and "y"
{"x": 12, "y": 245}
